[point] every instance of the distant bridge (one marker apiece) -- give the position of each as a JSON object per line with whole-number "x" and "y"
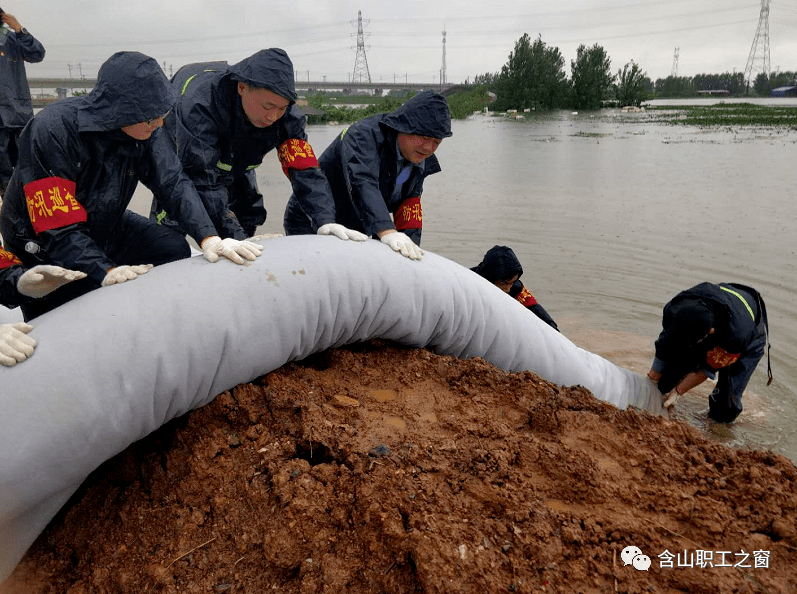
{"x": 88, "y": 83}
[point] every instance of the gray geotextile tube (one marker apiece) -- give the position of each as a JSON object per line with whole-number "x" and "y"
{"x": 116, "y": 364}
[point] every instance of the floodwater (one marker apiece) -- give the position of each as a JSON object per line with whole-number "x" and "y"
{"x": 611, "y": 216}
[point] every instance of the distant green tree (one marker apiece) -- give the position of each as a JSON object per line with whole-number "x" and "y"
{"x": 762, "y": 86}
{"x": 533, "y": 76}
{"x": 591, "y": 78}
{"x": 487, "y": 79}
{"x": 675, "y": 86}
{"x": 462, "y": 105}
{"x": 782, "y": 79}
{"x": 630, "y": 88}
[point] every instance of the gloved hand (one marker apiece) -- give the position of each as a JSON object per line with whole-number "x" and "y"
{"x": 43, "y": 279}
{"x": 214, "y": 247}
{"x": 120, "y": 274}
{"x": 341, "y": 232}
{"x": 400, "y": 242}
{"x": 15, "y": 344}
{"x": 671, "y": 399}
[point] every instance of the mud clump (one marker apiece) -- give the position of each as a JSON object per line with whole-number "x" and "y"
{"x": 379, "y": 468}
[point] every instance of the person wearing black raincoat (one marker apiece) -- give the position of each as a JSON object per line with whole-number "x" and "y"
{"x": 501, "y": 267}
{"x": 18, "y": 285}
{"x": 376, "y": 168}
{"x": 708, "y": 330}
{"x": 80, "y": 160}
{"x": 17, "y": 46}
{"x": 227, "y": 118}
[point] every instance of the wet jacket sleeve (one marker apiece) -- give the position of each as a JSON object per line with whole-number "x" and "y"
{"x": 198, "y": 146}
{"x": 299, "y": 162}
{"x": 53, "y": 163}
{"x": 9, "y": 295}
{"x": 524, "y": 296}
{"x": 540, "y": 312}
{"x": 27, "y": 47}
{"x": 162, "y": 173}
{"x": 360, "y": 165}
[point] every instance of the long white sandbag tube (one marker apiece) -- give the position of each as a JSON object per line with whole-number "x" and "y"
{"x": 116, "y": 364}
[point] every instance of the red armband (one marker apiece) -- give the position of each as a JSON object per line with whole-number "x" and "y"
{"x": 296, "y": 154}
{"x": 52, "y": 204}
{"x": 7, "y": 259}
{"x": 717, "y": 358}
{"x": 409, "y": 215}
{"x": 526, "y": 298}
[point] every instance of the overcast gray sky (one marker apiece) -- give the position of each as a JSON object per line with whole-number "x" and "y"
{"x": 404, "y": 37}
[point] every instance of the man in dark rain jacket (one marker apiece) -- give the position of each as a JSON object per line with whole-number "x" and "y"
{"x": 18, "y": 285}
{"x": 80, "y": 161}
{"x": 501, "y": 267}
{"x": 226, "y": 119}
{"x": 376, "y": 168}
{"x": 709, "y": 329}
{"x": 17, "y": 46}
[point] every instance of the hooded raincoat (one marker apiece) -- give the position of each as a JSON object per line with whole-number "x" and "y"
{"x": 15, "y": 101}
{"x": 364, "y": 167}
{"x": 77, "y": 172}
{"x": 739, "y": 318}
{"x": 500, "y": 264}
{"x": 219, "y": 148}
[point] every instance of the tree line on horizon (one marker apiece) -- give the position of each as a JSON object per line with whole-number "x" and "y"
{"x": 534, "y": 78}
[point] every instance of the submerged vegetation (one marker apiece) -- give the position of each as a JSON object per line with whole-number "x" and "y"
{"x": 725, "y": 114}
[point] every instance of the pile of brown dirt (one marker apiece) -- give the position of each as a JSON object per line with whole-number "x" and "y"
{"x": 378, "y": 468}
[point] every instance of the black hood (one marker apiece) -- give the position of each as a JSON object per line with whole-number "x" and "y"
{"x": 270, "y": 69}
{"x": 131, "y": 88}
{"x": 499, "y": 264}
{"x": 688, "y": 320}
{"x": 426, "y": 114}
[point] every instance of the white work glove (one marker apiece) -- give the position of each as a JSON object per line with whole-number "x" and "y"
{"x": 15, "y": 344}
{"x": 399, "y": 242}
{"x": 215, "y": 247}
{"x": 671, "y": 399}
{"x": 341, "y": 232}
{"x": 43, "y": 279}
{"x": 121, "y": 274}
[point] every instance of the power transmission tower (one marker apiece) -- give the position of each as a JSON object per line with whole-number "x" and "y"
{"x": 443, "y": 67}
{"x": 759, "y": 52}
{"x": 674, "y": 72}
{"x": 360, "y": 61}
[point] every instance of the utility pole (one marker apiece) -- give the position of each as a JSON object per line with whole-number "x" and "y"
{"x": 69, "y": 66}
{"x": 443, "y": 67}
{"x": 360, "y": 61}
{"x": 759, "y": 51}
{"x": 674, "y": 72}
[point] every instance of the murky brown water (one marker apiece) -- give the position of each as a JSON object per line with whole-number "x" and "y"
{"x": 612, "y": 216}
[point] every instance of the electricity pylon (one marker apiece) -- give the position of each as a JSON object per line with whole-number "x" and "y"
{"x": 674, "y": 72}
{"x": 759, "y": 52}
{"x": 361, "y": 72}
